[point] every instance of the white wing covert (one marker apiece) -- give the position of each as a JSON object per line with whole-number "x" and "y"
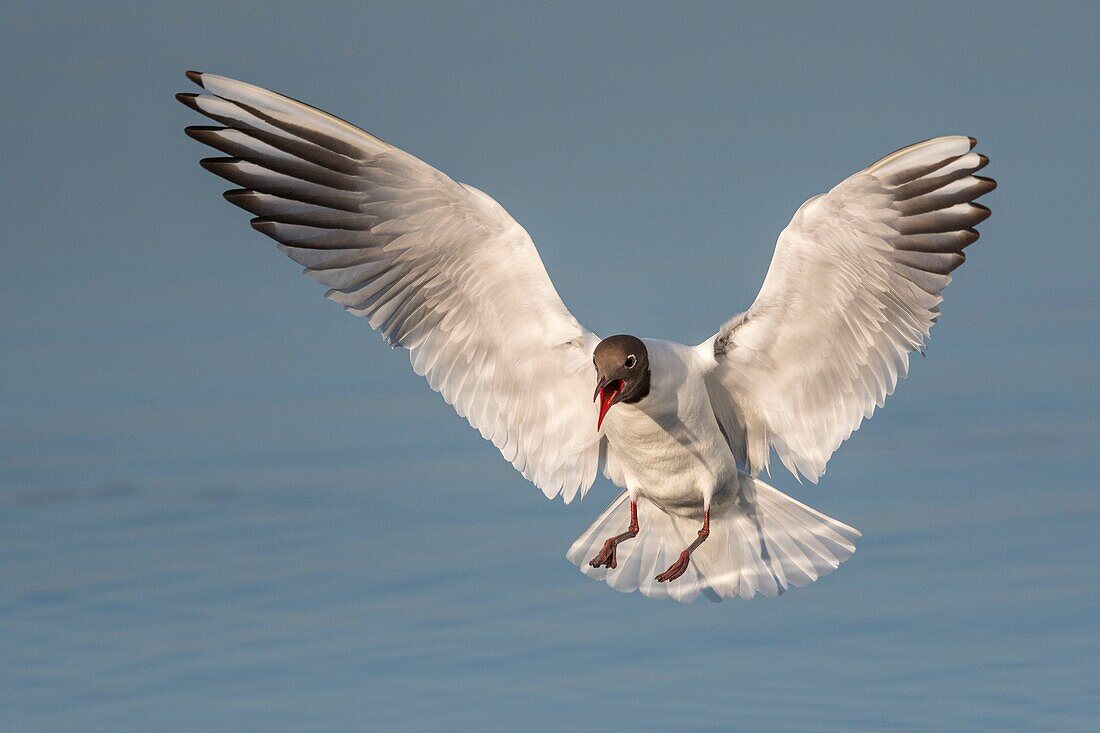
{"x": 853, "y": 287}
{"x": 437, "y": 267}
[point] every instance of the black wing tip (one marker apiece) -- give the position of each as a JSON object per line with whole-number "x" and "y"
{"x": 214, "y": 165}
{"x": 195, "y": 76}
{"x": 188, "y": 99}
{"x": 973, "y": 141}
{"x": 237, "y": 195}
{"x": 980, "y": 212}
{"x": 263, "y": 226}
{"x": 202, "y": 133}
{"x": 988, "y": 184}
{"x": 243, "y": 198}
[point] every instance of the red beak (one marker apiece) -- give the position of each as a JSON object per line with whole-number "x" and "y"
{"x": 607, "y": 390}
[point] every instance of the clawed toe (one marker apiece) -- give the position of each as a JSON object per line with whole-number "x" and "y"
{"x": 606, "y": 556}
{"x": 676, "y": 569}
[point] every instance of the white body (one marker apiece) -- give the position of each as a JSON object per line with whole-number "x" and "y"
{"x": 668, "y": 447}
{"x": 669, "y": 453}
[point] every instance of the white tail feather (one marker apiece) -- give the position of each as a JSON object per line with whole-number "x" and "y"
{"x": 761, "y": 541}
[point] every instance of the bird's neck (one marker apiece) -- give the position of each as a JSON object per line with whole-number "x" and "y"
{"x": 641, "y": 391}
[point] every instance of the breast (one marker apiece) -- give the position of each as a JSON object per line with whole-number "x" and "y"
{"x": 669, "y": 446}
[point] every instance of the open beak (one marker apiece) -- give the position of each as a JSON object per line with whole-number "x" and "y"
{"x": 607, "y": 391}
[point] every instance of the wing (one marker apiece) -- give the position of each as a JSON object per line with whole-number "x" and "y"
{"x": 853, "y": 287}
{"x": 437, "y": 267}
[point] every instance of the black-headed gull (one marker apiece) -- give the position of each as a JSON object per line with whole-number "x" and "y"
{"x": 440, "y": 269}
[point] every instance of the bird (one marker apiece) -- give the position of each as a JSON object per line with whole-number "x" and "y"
{"x": 441, "y": 270}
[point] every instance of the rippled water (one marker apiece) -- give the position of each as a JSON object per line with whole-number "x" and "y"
{"x": 435, "y": 596}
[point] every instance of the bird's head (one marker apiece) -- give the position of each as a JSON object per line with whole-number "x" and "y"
{"x": 622, "y": 372}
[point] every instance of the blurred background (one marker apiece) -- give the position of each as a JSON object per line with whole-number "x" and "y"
{"x": 226, "y": 505}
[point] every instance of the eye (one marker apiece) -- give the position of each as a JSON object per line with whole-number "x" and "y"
{"x": 631, "y": 361}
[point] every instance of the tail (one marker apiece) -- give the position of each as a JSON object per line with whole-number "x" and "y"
{"x": 761, "y": 541}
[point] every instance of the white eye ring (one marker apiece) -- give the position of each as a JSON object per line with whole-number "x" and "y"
{"x": 631, "y": 361}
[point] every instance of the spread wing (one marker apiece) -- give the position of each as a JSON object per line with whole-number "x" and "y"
{"x": 437, "y": 267}
{"x": 854, "y": 287}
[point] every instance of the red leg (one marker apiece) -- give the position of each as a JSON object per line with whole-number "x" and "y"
{"x": 606, "y": 556}
{"x": 678, "y": 568}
